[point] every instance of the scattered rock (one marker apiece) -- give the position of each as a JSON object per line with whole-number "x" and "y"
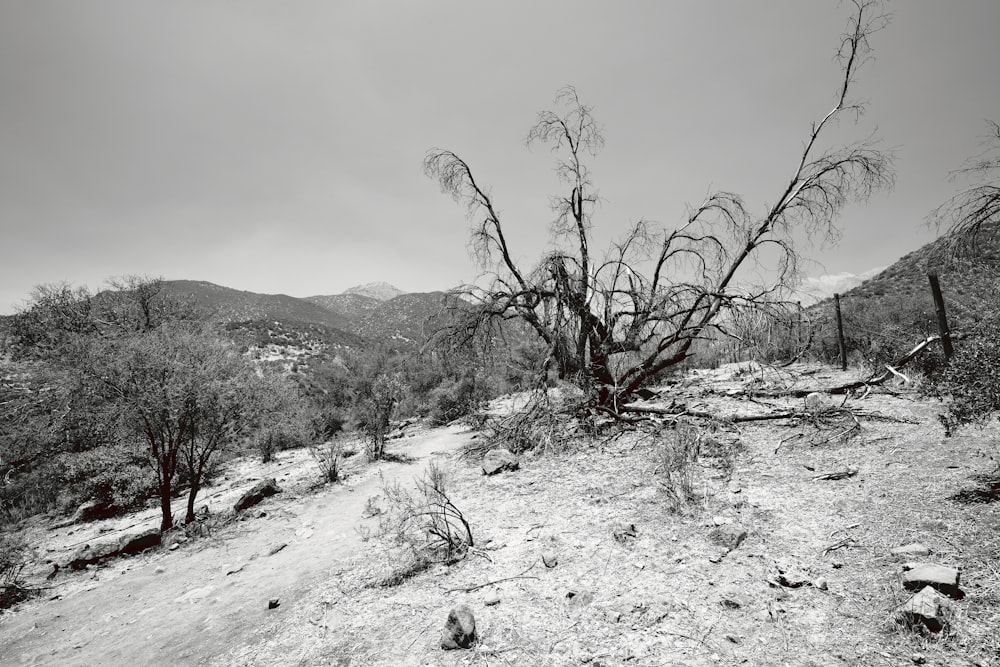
{"x": 733, "y": 599}
{"x": 159, "y": 569}
{"x": 720, "y": 520}
{"x": 460, "y": 629}
{"x": 275, "y": 549}
{"x": 133, "y": 544}
{"x": 923, "y": 610}
{"x": 730, "y": 535}
{"x": 498, "y": 460}
{"x": 624, "y": 532}
{"x": 90, "y": 555}
{"x": 790, "y": 576}
{"x": 915, "y": 549}
{"x": 944, "y": 579}
{"x": 820, "y": 584}
{"x": 273, "y": 603}
{"x": 174, "y": 546}
{"x": 492, "y": 599}
{"x": 260, "y": 490}
{"x": 550, "y": 559}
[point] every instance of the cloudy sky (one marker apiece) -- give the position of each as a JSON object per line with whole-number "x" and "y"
{"x": 277, "y": 146}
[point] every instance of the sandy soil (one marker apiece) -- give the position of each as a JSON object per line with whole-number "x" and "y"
{"x": 183, "y": 607}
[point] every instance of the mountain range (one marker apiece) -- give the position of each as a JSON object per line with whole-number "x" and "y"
{"x": 373, "y": 313}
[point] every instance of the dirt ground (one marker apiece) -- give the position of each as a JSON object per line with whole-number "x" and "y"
{"x": 185, "y": 606}
{"x": 639, "y": 577}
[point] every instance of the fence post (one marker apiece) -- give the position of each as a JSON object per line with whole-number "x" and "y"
{"x": 840, "y": 334}
{"x": 942, "y": 317}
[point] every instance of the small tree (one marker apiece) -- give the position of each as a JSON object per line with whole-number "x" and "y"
{"x": 615, "y": 326}
{"x": 183, "y": 394}
{"x": 376, "y": 404}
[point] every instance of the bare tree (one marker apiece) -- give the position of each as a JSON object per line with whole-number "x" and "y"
{"x": 966, "y": 214}
{"x": 615, "y": 320}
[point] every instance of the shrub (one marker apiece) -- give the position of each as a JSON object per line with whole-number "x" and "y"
{"x": 971, "y": 380}
{"x": 457, "y": 399}
{"x": 13, "y": 554}
{"x": 328, "y": 456}
{"x": 678, "y": 452}
{"x": 427, "y": 521}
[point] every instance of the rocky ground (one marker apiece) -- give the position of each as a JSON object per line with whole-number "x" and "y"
{"x": 775, "y": 547}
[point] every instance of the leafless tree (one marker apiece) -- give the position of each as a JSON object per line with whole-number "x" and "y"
{"x": 615, "y": 320}
{"x": 966, "y": 214}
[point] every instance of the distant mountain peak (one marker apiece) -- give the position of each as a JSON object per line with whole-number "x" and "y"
{"x": 380, "y": 291}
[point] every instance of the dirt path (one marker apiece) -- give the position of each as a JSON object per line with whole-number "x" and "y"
{"x": 186, "y": 606}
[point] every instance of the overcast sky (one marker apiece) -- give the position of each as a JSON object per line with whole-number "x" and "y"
{"x": 277, "y": 146}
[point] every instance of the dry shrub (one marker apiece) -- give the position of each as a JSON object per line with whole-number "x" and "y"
{"x": 420, "y": 527}
{"x": 328, "y": 456}
{"x": 542, "y": 425}
{"x": 13, "y": 557}
{"x": 678, "y": 451}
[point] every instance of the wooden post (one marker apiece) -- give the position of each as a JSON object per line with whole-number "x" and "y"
{"x": 942, "y": 318}
{"x": 798, "y": 324}
{"x": 840, "y": 334}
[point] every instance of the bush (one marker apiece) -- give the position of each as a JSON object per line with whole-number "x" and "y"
{"x": 13, "y": 555}
{"x": 971, "y": 380}
{"x": 457, "y": 399}
{"x": 328, "y": 456}
{"x": 678, "y": 452}
{"x": 115, "y": 476}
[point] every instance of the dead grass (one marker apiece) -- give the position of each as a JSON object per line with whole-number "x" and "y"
{"x": 638, "y": 584}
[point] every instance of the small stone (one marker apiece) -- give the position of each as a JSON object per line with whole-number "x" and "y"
{"x": 915, "y": 549}
{"x": 460, "y": 629}
{"x": 550, "y": 559}
{"x": 730, "y": 535}
{"x": 943, "y": 579}
{"x": 159, "y": 570}
{"x": 273, "y": 603}
{"x": 492, "y": 599}
{"x": 173, "y": 547}
{"x": 923, "y": 610}
{"x": 498, "y": 460}
{"x": 820, "y": 584}
{"x": 918, "y": 659}
{"x": 720, "y": 520}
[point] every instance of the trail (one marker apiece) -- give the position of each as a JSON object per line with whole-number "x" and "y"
{"x": 181, "y": 607}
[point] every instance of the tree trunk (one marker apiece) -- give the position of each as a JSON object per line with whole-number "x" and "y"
{"x": 192, "y": 494}
{"x": 168, "y": 520}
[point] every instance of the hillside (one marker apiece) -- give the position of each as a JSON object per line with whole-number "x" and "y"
{"x": 408, "y": 320}
{"x": 966, "y": 283}
{"x": 352, "y": 307}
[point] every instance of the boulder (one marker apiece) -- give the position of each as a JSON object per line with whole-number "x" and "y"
{"x": 133, "y": 544}
{"x": 925, "y": 609}
{"x": 460, "y": 629}
{"x": 92, "y": 554}
{"x": 498, "y": 460}
{"x": 730, "y": 535}
{"x": 260, "y": 490}
{"x": 944, "y": 579}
